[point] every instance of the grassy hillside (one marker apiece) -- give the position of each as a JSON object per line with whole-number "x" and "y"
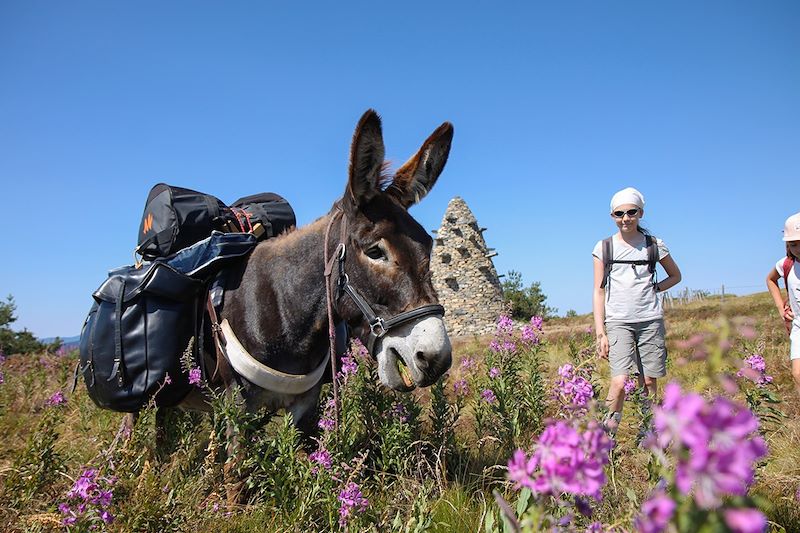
{"x": 427, "y": 461}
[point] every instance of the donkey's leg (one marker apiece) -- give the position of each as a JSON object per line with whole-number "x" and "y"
{"x": 305, "y": 416}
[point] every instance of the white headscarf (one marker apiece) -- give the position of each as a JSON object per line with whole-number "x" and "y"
{"x": 628, "y": 195}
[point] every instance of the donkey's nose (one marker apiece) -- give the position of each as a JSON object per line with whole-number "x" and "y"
{"x": 436, "y": 359}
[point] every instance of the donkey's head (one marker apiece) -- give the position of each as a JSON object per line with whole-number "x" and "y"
{"x": 388, "y": 256}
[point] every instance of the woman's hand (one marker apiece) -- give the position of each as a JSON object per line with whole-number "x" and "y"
{"x": 788, "y": 314}
{"x": 602, "y": 345}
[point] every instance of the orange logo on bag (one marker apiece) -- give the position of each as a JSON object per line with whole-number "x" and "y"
{"x": 148, "y": 223}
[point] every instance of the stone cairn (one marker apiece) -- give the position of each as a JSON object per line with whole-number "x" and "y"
{"x": 463, "y": 273}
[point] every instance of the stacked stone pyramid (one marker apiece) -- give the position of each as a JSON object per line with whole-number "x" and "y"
{"x": 464, "y": 274}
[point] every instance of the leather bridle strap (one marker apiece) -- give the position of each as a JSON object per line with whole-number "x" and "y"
{"x": 328, "y": 297}
{"x": 378, "y": 326}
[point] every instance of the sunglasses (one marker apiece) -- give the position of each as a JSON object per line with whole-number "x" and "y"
{"x": 629, "y": 212}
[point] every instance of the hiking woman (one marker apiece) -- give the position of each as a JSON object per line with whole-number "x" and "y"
{"x": 628, "y": 317}
{"x": 789, "y": 310}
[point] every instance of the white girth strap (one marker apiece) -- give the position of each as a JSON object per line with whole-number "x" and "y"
{"x": 265, "y": 377}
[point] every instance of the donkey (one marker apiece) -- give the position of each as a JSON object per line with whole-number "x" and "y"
{"x": 376, "y": 260}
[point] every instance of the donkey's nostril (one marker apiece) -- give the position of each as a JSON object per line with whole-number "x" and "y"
{"x": 422, "y": 362}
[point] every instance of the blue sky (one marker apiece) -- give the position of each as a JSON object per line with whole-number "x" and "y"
{"x": 555, "y": 106}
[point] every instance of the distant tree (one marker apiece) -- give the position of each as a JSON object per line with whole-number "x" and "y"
{"x": 12, "y": 342}
{"x": 525, "y": 302}
{"x": 571, "y": 313}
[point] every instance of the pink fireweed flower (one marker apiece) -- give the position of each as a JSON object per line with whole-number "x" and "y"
{"x": 564, "y": 460}
{"x": 572, "y": 389}
{"x": 322, "y": 457}
{"x": 400, "y": 412}
{"x": 755, "y": 370}
{"x": 359, "y": 351}
{"x": 494, "y": 372}
{"x": 630, "y": 386}
{"x": 352, "y": 501}
{"x": 326, "y": 424}
{"x": 488, "y": 396}
{"x": 537, "y": 322}
{"x": 195, "y": 376}
{"x": 509, "y": 346}
{"x": 656, "y": 513}
{"x": 722, "y": 441}
{"x": 505, "y": 325}
{"x": 566, "y": 371}
{"x": 461, "y": 387}
{"x": 468, "y": 365}
{"x": 56, "y": 399}
{"x": 349, "y": 366}
{"x": 327, "y": 421}
{"x": 529, "y": 335}
{"x": 495, "y": 346}
{"x": 745, "y": 520}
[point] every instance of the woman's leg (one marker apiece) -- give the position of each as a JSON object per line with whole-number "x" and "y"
{"x": 615, "y": 402}
{"x": 796, "y": 374}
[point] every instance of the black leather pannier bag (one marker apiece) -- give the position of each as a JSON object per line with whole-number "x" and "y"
{"x": 265, "y": 215}
{"x": 143, "y": 319}
{"x": 175, "y": 218}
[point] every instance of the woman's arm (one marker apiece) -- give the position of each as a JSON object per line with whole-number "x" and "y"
{"x": 772, "y": 286}
{"x": 673, "y": 274}
{"x": 599, "y": 308}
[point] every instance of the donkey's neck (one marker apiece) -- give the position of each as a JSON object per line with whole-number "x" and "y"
{"x": 279, "y": 309}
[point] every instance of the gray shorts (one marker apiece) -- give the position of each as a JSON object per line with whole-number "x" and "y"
{"x": 637, "y": 346}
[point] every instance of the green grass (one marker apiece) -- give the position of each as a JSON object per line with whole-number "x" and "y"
{"x": 185, "y": 492}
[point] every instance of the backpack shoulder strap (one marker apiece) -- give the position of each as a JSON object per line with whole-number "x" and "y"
{"x": 788, "y": 263}
{"x": 608, "y": 260}
{"x": 652, "y": 252}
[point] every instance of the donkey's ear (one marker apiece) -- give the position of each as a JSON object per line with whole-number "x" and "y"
{"x": 417, "y": 176}
{"x": 366, "y": 160}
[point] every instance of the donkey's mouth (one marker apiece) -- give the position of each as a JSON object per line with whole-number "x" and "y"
{"x": 404, "y": 372}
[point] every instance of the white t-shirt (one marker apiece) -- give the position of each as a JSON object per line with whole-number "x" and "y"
{"x": 794, "y": 289}
{"x": 630, "y": 293}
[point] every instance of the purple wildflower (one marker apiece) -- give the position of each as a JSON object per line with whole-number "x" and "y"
{"x": 657, "y": 511}
{"x": 745, "y": 520}
{"x": 509, "y": 346}
{"x": 495, "y": 346}
{"x": 630, "y": 386}
{"x": 722, "y": 441}
{"x": 326, "y": 424}
{"x": 195, "y": 376}
{"x": 488, "y": 396}
{"x": 2, "y": 378}
{"x": 529, "y": 335}
{"x": 468, "y": 364}
{"x": 755, "y": 370}
{"x": 359, "y": 351}
{"x": 537, "y": 322}
{"x": 352, "y": 501}
{"x": 461, "y": 387}
{"x": 595, "y": 527}
{"x": 322, "y": 457}
{"x": 564, "y": 460}
{"x": 505, "y": 325}
{"x": 494, "y": 372}
{"x": 349, "y": 365}
{"x": 566, "y": 371}
{"x": 106, "y": 516}
{"x": 400, "y": 412}
{"x": 572, "y": 389}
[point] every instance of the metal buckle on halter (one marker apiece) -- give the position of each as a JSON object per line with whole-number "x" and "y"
{"x": 378, "y": 324}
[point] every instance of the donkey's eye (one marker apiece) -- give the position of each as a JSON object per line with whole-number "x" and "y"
{"x": 375, "y": 252}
